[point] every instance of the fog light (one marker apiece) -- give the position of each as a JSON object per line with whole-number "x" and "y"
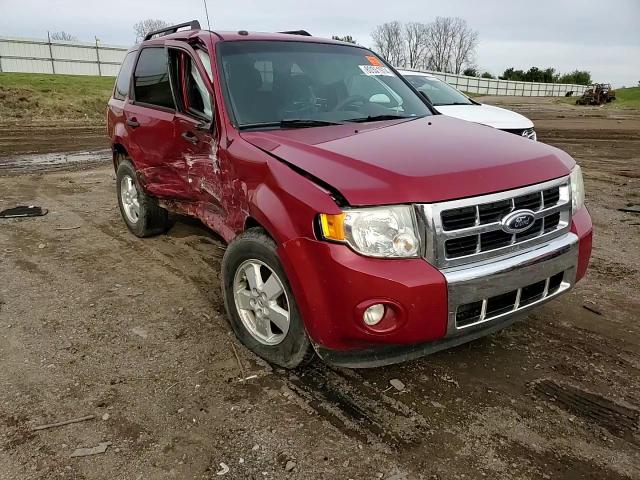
{"x": 374, "y": 314}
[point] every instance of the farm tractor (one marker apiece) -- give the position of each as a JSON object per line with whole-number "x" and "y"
{"x": 597, "y": 94}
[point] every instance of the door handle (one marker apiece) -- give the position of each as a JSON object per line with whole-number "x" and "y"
{"x": 190, "y": 137}
{"x": 132, "y": 122}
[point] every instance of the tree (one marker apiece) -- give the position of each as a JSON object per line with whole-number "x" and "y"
{"x": 452, "y": 44}
{"x": 446, "y": 44}
{"x": 416, "y": 37}
{"x": 512, "y": 74}
{"x": 389, "y": 42}
{"x": 470, "y": 72}
{"x": 487, "y": 75}
{"x": 62, "y": 35}
{"x": 346, "y": 38}
{"x": 578, "y": 77}
{"x": 143, "y": 27}
{"x": 548, "y": 75}
{"x": 465, "y": 42}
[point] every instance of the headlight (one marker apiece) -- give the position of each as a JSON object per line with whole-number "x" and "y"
{"x": 375, "y": 231}
{"x": 577, "y": 189}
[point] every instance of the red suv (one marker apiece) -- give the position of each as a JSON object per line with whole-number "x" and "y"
{"x": 362, "y": 225}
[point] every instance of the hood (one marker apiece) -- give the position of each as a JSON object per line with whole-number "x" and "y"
{"x": 429, "y": 159}
{"x": 495, "y": 117}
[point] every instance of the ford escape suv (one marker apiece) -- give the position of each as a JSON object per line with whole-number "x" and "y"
{"x": 362, "y": 225}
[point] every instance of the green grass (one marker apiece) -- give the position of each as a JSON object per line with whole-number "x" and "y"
{"x": 35, "y": 96}
{"x": 627, "y": 98}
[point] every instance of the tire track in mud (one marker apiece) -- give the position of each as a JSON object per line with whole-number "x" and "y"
{"x": 355, "y": 408}
{"x": 622, "y": 421}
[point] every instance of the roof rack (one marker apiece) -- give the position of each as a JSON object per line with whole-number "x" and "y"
{"x": 304, "y": 33}
{"x": 193, "y": 24}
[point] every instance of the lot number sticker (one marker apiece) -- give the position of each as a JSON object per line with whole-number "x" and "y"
{"x": 373, "y": 60}
{"x": 375, "y": 71}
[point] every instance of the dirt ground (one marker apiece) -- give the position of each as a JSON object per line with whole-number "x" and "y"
{"x": 94, "y": 321}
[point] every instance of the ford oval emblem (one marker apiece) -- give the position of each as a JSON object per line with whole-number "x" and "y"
{"x": 518, "y": 221}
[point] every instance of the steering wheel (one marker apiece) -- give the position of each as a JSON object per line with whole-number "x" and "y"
{"x": 351, "y": 99}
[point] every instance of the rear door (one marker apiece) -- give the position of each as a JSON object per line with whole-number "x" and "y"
{"x": 150, "y": 123}
{"x": 115, "y": 108}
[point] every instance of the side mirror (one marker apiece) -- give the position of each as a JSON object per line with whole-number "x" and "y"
{"x": 380, "y": 98}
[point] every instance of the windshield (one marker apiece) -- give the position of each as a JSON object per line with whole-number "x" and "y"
{"x": 271, "y": 83}
{"x": 437, "y": 91}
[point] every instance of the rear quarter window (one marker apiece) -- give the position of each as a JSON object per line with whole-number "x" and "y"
{"x": 151, "y": 78}
{"x": 124, "y": 77}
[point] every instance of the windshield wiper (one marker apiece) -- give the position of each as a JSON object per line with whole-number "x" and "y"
{"x": 306, "y": 122}
{"x": 375, "y": 118}
{"x": 291, "y": 123}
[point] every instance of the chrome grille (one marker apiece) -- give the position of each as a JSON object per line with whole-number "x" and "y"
{"x": 470, "y": 314}
{"x": 529, "y": 133}
{"x": 470, "y": 230}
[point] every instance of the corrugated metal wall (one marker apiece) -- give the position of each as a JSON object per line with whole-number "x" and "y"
{"x": 490, "y": 86}
{"x": 60, "y": 57}
{"x": 80, "y": 58}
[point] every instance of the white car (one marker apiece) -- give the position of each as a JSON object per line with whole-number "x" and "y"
{"x": 449, "y": 101}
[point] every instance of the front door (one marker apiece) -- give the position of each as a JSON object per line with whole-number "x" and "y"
{"x": 150, "y": 121}
{"x": 195, "y": 124}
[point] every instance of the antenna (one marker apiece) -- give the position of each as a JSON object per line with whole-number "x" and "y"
{"x": 206, "y": 11}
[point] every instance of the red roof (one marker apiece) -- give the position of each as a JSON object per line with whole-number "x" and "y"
{"x": 235, "y": 35}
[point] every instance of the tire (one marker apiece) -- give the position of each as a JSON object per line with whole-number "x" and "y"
{"x": 151, "y": 219}
{"x": 250, "y": 250}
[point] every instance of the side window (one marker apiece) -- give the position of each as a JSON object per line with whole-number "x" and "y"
{"x": 151, "y": 78}
{"x": 206, "y": 61}
{"x": 191, "y": 91}
{"x": 124, "y": 77}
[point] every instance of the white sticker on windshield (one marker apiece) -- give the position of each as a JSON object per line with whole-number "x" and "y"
{"x": 375, "y": 71}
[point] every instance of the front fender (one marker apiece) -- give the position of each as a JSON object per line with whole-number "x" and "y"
{"x": 287, "y": 203}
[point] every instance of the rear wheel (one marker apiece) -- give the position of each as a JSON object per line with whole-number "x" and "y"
{"x": 142, "y": 214}
{"x": 260, "y": 305}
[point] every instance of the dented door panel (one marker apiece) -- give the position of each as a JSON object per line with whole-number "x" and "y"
{"x": 160, "y": 165}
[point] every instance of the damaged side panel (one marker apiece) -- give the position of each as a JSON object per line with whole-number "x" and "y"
{"x": 209, "y": 172}
{"x": 152, "y": 146}
{"x": 214, "y": 193}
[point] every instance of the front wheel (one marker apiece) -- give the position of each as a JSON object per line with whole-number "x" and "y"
{"x": 260, "y": 305}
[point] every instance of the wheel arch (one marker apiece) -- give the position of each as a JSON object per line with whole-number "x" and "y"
{"x": 118, "y": 150}
{"x": 266, "y": 210}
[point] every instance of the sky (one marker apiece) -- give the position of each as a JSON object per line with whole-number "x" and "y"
{"x": 600, "y": 36}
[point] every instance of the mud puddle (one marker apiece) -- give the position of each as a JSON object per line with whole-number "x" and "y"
{"x": 40, "y": 161}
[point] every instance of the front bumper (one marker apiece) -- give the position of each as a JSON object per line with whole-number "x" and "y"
{"x": 480, "y": 283}
{"x": 512, "y": 279}
{"x": 331, "y": 283}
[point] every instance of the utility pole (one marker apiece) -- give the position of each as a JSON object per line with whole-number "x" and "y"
{"x": 53, "y": 65}
{"x": 98, "y": 56}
